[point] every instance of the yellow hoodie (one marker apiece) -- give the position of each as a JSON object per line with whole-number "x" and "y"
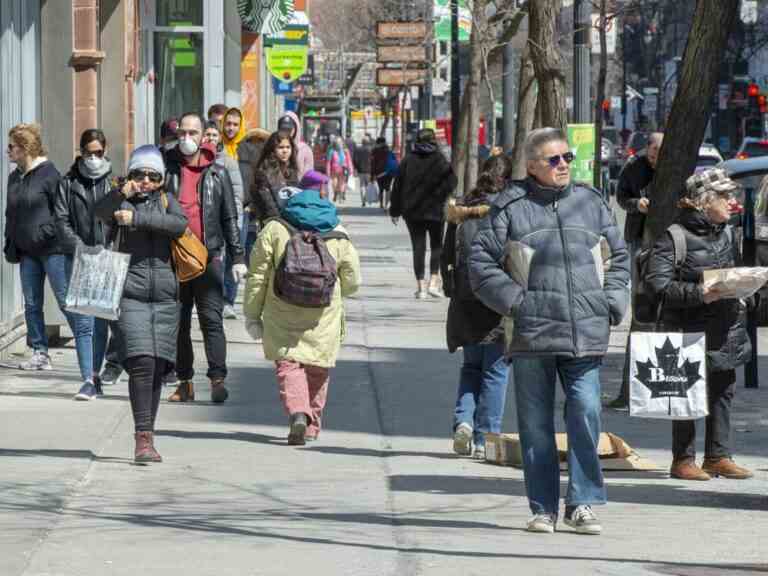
{"x": 230, "y": 146}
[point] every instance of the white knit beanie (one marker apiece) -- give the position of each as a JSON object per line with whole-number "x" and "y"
{"x": 147, "y": 157}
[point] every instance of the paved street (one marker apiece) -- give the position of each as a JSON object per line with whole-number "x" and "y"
{"x": 380, "y": 493}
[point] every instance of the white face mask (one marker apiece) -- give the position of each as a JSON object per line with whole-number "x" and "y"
{"x": 94, "y": 163}
{"x": 188, "y": 146}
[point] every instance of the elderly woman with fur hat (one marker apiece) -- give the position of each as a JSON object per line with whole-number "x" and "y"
{"x": 147, "y": 220}
{"x": 689, "y": 306}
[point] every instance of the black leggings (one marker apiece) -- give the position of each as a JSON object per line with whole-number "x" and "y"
{"x": 144, "y": 386}
{"x": 418, "y": 230}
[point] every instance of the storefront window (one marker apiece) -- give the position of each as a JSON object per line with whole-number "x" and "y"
{"x": 179, "y": 74}
{"x": 179, "y": 13}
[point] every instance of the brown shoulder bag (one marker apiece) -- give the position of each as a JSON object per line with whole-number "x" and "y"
{"x": 190, "y": 256}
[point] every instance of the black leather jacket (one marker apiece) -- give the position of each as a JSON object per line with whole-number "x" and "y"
{"x": 634, "y": 179}
{"x": 217, "y": 202}
{"x": 709, "y": 247}
{"x": 76, "y": 221}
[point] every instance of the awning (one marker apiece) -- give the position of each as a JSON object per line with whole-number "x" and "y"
{"x": 265, "y": 16}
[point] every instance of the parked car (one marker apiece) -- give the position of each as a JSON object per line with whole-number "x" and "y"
{"x": 709, "y": 157}
{"x": 751, "y": 148}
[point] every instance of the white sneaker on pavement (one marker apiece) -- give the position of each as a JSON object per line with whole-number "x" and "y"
{"x": 420, "y": 295}
{"x": 542, "y": 523}
{"x": 583, "y": 520}
{"x": 38, "y": 361}
{"x": 462, "y": 439}
{"x": 229, "y": 312}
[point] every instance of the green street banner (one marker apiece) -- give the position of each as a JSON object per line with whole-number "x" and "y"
{"x": 287, "y": 63}
{"x": 581, "y": 138}
{"x": 265, "y": 16}
{"x": 443, "y": 20}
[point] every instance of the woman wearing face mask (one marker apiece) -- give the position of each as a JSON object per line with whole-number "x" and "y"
{"x": 86, "y": 183}
{"x": 276, "y": 169}
{"x": 689, "y": 307}
{"x": 148, "y": 221}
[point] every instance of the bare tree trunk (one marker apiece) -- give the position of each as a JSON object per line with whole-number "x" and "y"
{"x": 473, "y": 95}
{"x": 459, "y": 148}
{"x": 712, "y": 23}
{"x": 548, "y": 62}
{"x": 598, "y": 165}
{"x": 526, "y": 110}
{"x": 491, "y": 94}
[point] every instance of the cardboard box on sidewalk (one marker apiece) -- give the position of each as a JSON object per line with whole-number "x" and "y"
{"x": 614, "y": 452}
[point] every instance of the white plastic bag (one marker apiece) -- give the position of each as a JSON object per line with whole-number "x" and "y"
{"x": 372, "y": 192}
{"x": 668, "y": 375}
{"x": 97, "y": 282}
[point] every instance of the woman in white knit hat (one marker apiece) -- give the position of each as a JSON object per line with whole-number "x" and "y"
{"x": 148, "y": 220}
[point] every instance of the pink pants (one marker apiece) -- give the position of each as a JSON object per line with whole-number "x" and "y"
{"x": 303, "y": 388}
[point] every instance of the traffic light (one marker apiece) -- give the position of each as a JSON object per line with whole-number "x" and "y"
{"x": 762, "y": 104}
{"x": 753, "y": 90}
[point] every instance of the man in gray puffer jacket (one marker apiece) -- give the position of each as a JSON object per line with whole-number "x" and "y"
{"x": 550, "y": 258}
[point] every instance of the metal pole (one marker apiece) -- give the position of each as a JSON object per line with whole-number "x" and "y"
{"x": 455, "y": 80}
{"x": 581, "y": 64}
{"x": 427, "y": 90}
{"x": 624, "y": 79}
{"x": 508, "y": 97}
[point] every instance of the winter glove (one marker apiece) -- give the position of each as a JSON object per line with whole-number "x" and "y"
{"x": 239, "y": 271}
{"x": 255, "y": 328}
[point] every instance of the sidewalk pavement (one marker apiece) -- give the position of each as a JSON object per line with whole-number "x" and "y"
{"x": 380, "y": 493}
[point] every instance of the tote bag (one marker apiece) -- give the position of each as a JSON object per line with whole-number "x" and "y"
{"x": 668, "y": 375}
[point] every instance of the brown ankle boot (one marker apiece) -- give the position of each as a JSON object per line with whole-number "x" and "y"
{"x": 185, "y": 392}
{"x": 219, "y": 392}
{"x": 726, "y": 468}
{"x": 145, "y": 452}
{"x": 686, "y": 469}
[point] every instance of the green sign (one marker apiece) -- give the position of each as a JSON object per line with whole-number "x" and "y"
{"x": 287, "y": 63}
{"x": 581, "y": 138}
{"x": 443, "y": 20}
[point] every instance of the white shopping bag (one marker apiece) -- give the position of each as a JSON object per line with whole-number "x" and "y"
{"x": 372, "y": 193}
{"x": 668, "y": 375}
{"x": 97, "y": 282}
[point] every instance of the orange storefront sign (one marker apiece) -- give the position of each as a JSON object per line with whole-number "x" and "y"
{"x": 250, "y": 78}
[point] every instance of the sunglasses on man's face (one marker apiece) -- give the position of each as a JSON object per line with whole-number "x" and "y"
{"x": 140, "y": 175}
{"x": 554, "y": 161}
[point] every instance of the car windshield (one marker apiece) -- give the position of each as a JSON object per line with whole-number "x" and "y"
{"x": 707, "y": 161}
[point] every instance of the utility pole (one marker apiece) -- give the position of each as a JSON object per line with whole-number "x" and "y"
{"x": 508, "y": 97}
{"x": 582, "y": 23}
{"x": 426, "y": 91}
{"x": 455, "y": 80}
{"x": 624, "y": 78}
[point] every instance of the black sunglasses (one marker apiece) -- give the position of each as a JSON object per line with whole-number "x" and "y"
{"x": 97, "y": 153}
{"x": 139, "y": 175}
{"x": 554, "y": 161}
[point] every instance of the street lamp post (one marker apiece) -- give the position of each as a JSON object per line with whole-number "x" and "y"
{"x": 581, "y": 61}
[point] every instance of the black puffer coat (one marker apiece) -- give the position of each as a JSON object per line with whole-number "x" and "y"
{"x": 634, "y": 181}
{"x": 29, "y": 212}
{"x": 724, "y": 321}
{"x": 422, "y": 186}
{"x": 74, "y": 209}
{"x": 469, "y": 320}
{"x": 149, "y": 316}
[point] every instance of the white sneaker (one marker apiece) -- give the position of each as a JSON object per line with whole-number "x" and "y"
{"x": 434, "y": 292}
{"x": 542, "y": 523}
{"x": 479, "y": 453}
{"x": 420, "y": 295}
{"x": 462, "y": 439}
{"x": 38, "y": 361}
{"x": 584, "y": 520}
{"x": 229, "y": 312}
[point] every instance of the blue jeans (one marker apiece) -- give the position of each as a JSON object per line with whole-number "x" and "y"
{"x": 535, "y": 393}
{"x": 230, "y": 286}
{"x": 58, "y": 267}
{"x": 482, "y": 390}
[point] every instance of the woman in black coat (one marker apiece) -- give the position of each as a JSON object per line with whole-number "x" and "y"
{"x": 471, "y": 325}
{"x": 419, "y": 193}
{"x": 149, "y": 310}
{"x": 276, "y": 168}
{"x": 81, "y": 188}
{"x": 689, "y": 307}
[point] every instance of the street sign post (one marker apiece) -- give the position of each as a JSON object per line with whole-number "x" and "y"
{"x": 401, "y": 54}
{"x": 415, "y": 30}
{"x": 401, "y": 77}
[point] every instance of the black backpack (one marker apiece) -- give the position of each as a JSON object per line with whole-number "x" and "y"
{"x": 645, "y": 305}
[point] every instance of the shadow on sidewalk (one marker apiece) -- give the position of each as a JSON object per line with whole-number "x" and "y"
{"x": 54, "y": 453}
{"x": 672, "y": 493}
{"x": 237, "y": 436}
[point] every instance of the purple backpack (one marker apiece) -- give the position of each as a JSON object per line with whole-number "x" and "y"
{"x": 306, "y": 275}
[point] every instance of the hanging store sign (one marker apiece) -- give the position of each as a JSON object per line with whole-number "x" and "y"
{"x": 401, "y": 54}
{"x": 401, "y": 77}
{"x": 287, "y": 63}
{"x": 401, "y": 30}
